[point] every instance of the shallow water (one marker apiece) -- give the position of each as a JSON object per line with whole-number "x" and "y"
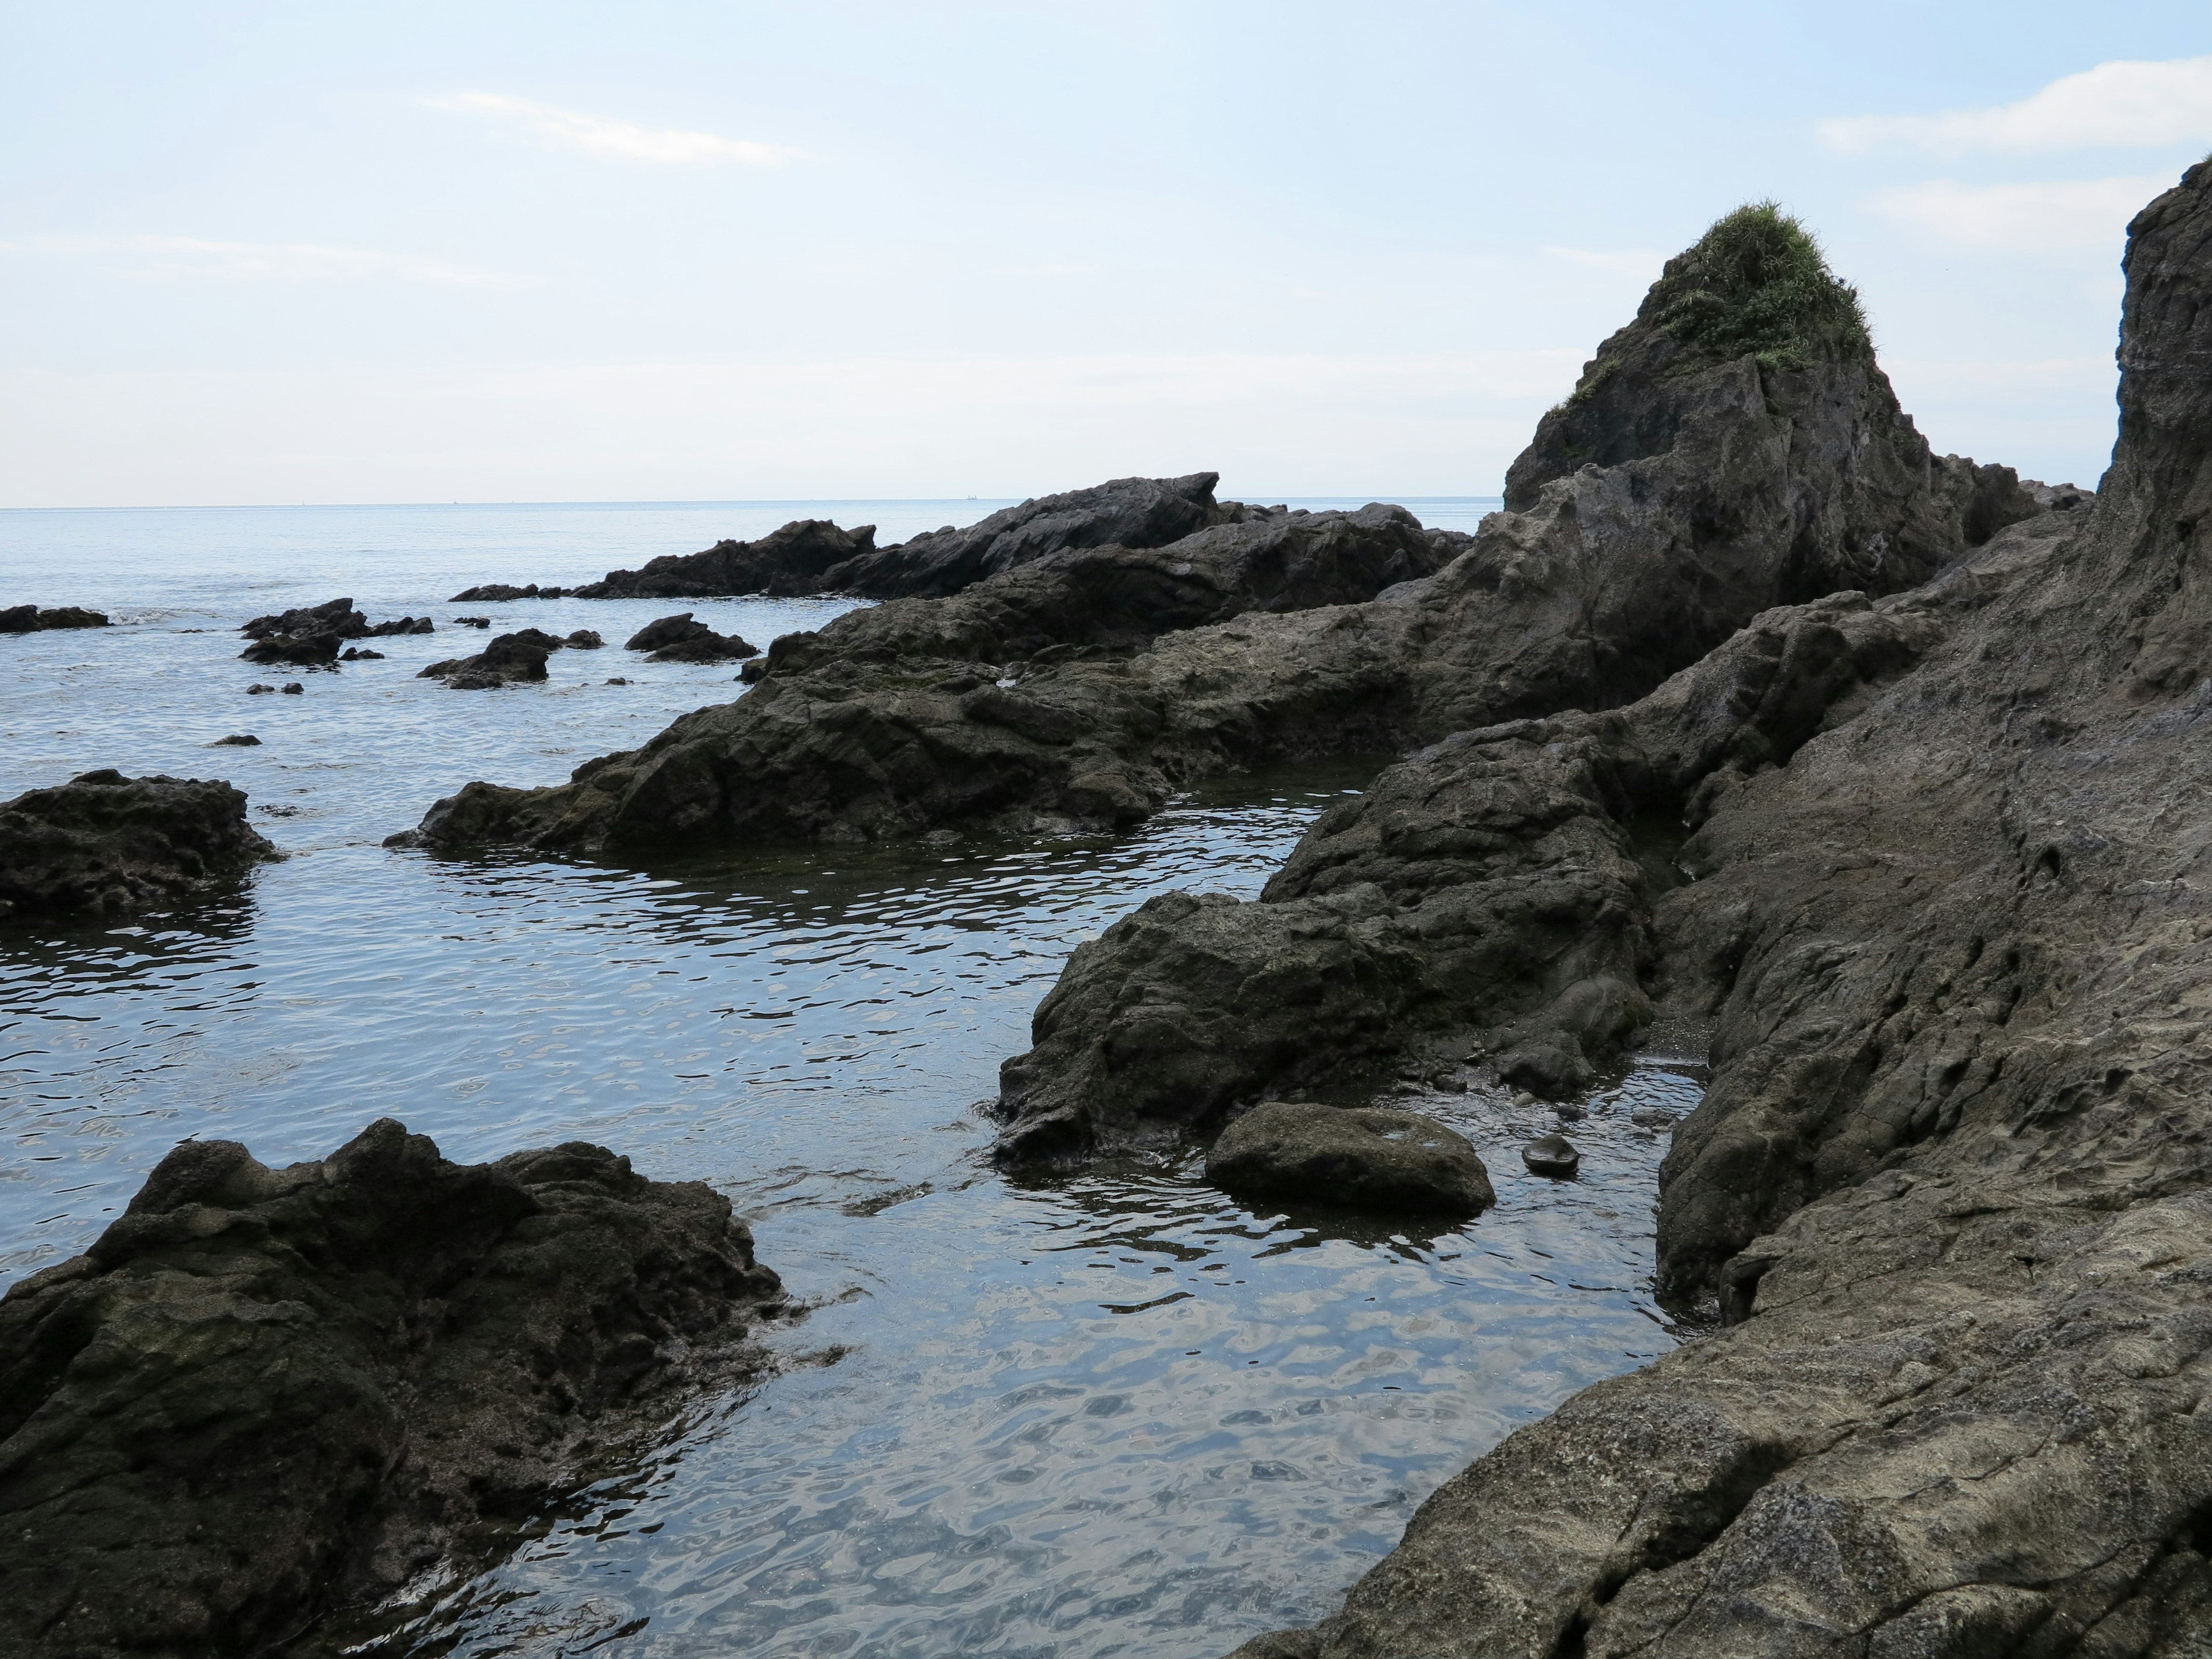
{"x": 1114, "y": 1414}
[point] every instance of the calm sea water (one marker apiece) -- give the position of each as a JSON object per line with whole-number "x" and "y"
{"x": 1111, "y": 1414}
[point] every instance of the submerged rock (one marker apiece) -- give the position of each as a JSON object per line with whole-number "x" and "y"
{"x": 264, "y": 1393}
{"x": 104, "y": 845}
{"x": 237, "y": 741}
{"x": 1950, "y": 1185}
{"x": 1392, "y": 1163}
{"x": 30, "y": 619}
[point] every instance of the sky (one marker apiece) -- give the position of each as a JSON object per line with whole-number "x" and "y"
{"x": 658, "y": 250}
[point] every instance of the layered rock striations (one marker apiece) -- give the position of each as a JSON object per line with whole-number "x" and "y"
{"x": 264, "y": 1393}
{"x": 1951, "y": 1184}
{"x": 1729, "y": 483}
{"x": 103, "y": 845}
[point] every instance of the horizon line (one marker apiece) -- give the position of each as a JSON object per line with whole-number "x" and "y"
{"x": 1255, "y": 498}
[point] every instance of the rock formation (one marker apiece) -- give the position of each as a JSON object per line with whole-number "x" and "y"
{"x": 103, "y": 845}
{"x": 920, "y": 712}
{"x": 1391, "y": 1163}
{"x": 30, "y": 619}
{"x": 813, "y": 556}
{"x": 679, "y": 639}
{"x": 1951, "y": 1186}
{"x": 507, "y": 660}
{"x": 264, "y": 1393}
{"x": 1085, "y": 688}
{"x": 312, "y": 635}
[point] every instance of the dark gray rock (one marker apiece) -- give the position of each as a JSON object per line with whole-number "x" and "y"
{"x": 1951, "y": 1186}
{"x": 1133, "y": 512}
{"x": 354, "y": 653}
{"x": 891, "y": 720}
{"x": 584, "y": 638}
{"x": 103, "y": 845}
{"x": 793, "y": 560}
{"x": 312, "y": 634}
{"x": 679, "y": 639}
{"x": 30, "y": 619}
{"x": 509, "y": 659}
{"x": 494, "y": 591}
{"x": 263, "y": 1393}
{"x": 1551, "y": 1154}
{"x": 237, "y": 741}
{"x": 1391, "y": 1163}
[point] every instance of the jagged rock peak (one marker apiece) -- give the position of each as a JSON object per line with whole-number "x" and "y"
{"x": 1754, "y": 285}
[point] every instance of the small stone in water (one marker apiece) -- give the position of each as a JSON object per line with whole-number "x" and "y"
{"x": 294, "y": 688}
{"x": 237, "y": 741}
{"x": 1569, "y": 1112}
{"x": 1552, "y": 1155}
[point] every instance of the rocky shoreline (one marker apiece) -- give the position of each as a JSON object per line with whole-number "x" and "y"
{"x": 1747, "y": 714}
{"x": 1931, "y": 734}
{"x": 1950, "y": 1185}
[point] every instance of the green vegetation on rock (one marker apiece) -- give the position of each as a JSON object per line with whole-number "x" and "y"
{"x": 1755, "y": 285}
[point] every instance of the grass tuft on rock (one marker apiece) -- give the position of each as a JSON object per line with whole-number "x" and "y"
{"x": 1754, "y": 285}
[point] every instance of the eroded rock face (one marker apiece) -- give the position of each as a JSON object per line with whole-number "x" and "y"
{"x": 1951, "y": 1183}
{"x": 264, "y": 1392}
{"x": 103, "y": 845}
{"x": 1385, "y": 1162}
{"x": 1738, "y": 484}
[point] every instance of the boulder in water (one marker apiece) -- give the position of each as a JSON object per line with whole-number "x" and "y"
{"x": 263, "y": 1393}
{"x": 30, "y": 619}
{"x": 1371, "y": 1158}
{"x": 679, "y": 639}
{"x": 104, "y": 845}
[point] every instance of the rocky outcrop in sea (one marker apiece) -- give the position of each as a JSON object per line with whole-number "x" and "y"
{"x": 264, "y": 1393}
{"x": 311, "y": 636}
{"x": 102, "y": 845}
{"x": 30, "y": 619}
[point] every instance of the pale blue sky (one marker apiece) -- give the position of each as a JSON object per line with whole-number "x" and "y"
{"x": 559, "y": 252}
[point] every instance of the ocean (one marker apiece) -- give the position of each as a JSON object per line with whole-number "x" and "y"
{"x": 1115, "y": 1413}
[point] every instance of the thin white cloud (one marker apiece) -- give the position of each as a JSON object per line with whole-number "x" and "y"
{"x": 2029, "y": 217}
{"x": 597, "y": 135}
{"x": 1627, "y": 261}
{"x": 2120, "y": 104}
{"x": 264, "y": 261}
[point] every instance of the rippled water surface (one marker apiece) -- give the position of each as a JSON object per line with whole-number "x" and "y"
{"x": 1113, "y": 1414}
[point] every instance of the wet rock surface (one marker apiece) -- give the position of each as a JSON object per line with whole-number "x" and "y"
{"x": 1949, "y": 1187}
{"x": 30, "y": 619}
{"x": 679, "y": 639}
{"x": 103, "y": 845}
{"x": 312, "y": 634}
{"x": 913, "y": 713}
{"x": 264, "y": 1393}
{"x": 1375, "y": 1159}
{"x": 515, "y": 659}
